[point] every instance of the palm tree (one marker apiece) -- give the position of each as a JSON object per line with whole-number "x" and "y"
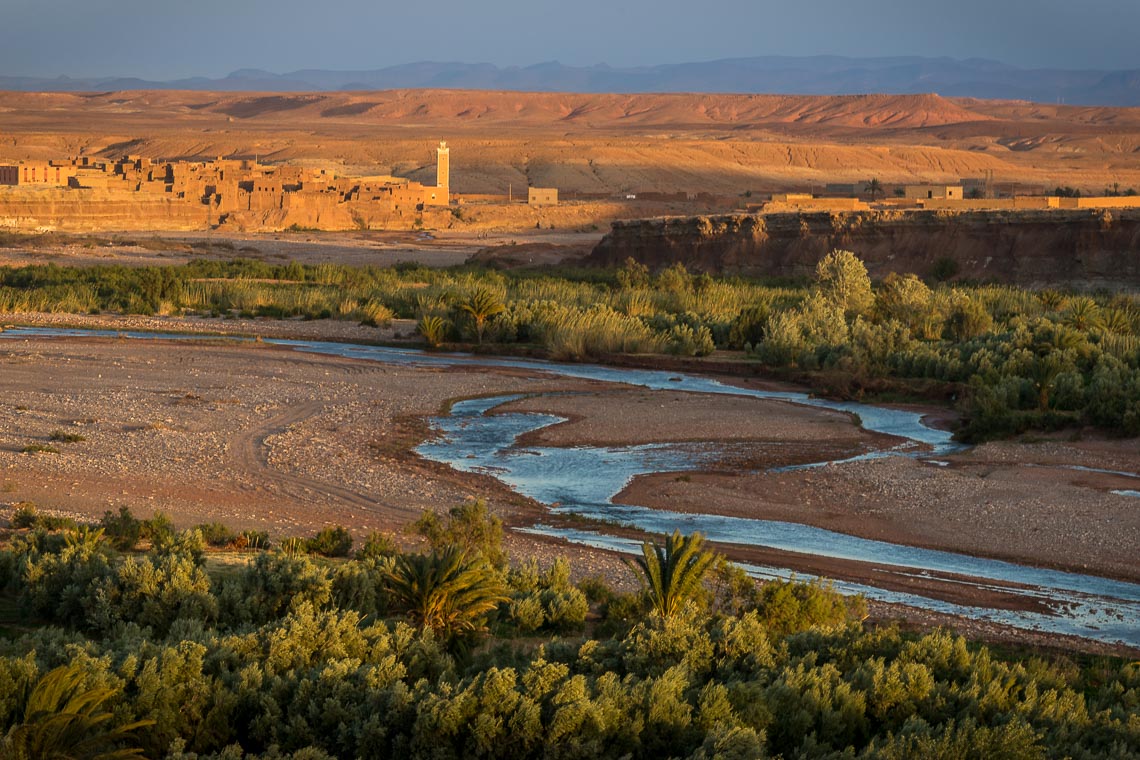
{"x": 1051, "y": 300}
{"x": 673, "y": 573}
{"x": 1044, "y": 372}
{"x": 433, "y": 328}
{"x": 1117, "y": 321}
{"x": 64, "y": 720}
{"x": 445, "y": 591}
{"x": 874, "y": 187}
{"x": 482, "y": 305}
{"x": 1083, "y": 314}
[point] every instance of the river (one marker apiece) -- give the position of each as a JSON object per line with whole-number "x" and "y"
{"x": 584, "y": 480}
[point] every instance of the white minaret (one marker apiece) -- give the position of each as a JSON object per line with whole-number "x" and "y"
{"x": 443, "y": 166}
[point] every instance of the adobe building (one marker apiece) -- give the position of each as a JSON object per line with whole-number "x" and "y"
{"x": 933, "y": 192}
{"x": 37, "y": 173}
{"x": 808, "y": 202}
{"x": 542, "y": 196}
{"x": 244, "y": 191}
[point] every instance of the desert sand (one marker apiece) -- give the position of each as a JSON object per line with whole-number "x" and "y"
{"x": 720, "y": 144}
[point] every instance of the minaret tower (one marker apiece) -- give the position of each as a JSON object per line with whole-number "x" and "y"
{"x": 443, "y": 166}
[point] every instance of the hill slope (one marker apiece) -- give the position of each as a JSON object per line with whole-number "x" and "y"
{"x": 598, "y": 143}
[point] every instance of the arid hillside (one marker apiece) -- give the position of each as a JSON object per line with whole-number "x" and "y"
{"x": 590, "y": 143}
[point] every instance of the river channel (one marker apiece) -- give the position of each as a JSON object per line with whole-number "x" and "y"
{"x": 583, "y": 480}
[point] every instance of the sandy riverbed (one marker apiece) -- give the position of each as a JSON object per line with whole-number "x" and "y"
{"x": 1004, "y": 500}
{"x": 263, "y": 437}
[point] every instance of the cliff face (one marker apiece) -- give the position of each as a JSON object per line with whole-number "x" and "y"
{"x": 1091, "y": 248}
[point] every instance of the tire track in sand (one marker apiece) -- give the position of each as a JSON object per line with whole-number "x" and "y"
{"x": 248, "y": 454}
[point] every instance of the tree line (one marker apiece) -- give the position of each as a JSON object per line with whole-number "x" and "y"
{"x": 1012, "y": 359}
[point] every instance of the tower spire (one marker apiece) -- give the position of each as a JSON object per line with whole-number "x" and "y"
{"x": 443, "y": 166}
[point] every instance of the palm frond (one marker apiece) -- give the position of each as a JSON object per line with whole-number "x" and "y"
{"x": 673, "y": 573}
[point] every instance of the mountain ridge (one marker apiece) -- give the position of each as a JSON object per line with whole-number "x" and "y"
{"x": 779, "y": 75}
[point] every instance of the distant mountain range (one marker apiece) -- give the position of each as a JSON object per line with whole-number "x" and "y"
{"x": 818, "y": 75}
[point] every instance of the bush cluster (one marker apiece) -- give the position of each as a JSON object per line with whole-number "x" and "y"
{"x": 303, "y": 658}
{"x": 1016, "y": 359}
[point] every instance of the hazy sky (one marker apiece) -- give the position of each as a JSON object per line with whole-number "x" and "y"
{"x": 164, "y": 39}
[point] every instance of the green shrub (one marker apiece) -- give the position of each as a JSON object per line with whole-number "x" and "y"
{"x": 7, "y": 569}
{"x": 378, "y": 546}
{"x": 39, "y": 448}
{"x": 944, "y": 268}
{"x": 158, "y": 530}
{"x": 361, "y": 585}
{"x": 545, "y": 598}
{"x": 59, "y": 585}
{"x": 25, "y": 516}
{"x": 123, "y": 530}
{"x": 527, "y": 613}
{"x": 470, "y": 526}
{"x": 216, "y": 534}
{"x": 331, "y": 542}
{"x": 271, "y": 585}
{"x": 153, "y": 591}
{"x": 620, "y": 612}
{"x": 596, "y": 589}
{"x": 790, "y": 606}
{"x": 683, "y": 340}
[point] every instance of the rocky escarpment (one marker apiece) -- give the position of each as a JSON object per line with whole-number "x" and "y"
{"x": 1087, "y": 247}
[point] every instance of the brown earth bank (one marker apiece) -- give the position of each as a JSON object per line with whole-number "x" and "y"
{"x": 262, "y": 437}
{"x": 598, "y": 143}
{"x": 1090, "y": 247}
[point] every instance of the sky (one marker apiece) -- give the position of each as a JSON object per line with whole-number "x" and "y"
{"x": 168, "y": 39}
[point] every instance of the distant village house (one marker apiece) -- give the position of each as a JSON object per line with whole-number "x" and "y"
{"x": 932, "y": 192}
{"x": 542, "y": 196}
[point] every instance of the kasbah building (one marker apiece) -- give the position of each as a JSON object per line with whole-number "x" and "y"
{"x": 234, "y": 192}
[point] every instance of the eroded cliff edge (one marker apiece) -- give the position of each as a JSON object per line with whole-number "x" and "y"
{"x": 1087, "y": 247}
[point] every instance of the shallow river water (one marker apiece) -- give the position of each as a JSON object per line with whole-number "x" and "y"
{"x": 583, "y": 480}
